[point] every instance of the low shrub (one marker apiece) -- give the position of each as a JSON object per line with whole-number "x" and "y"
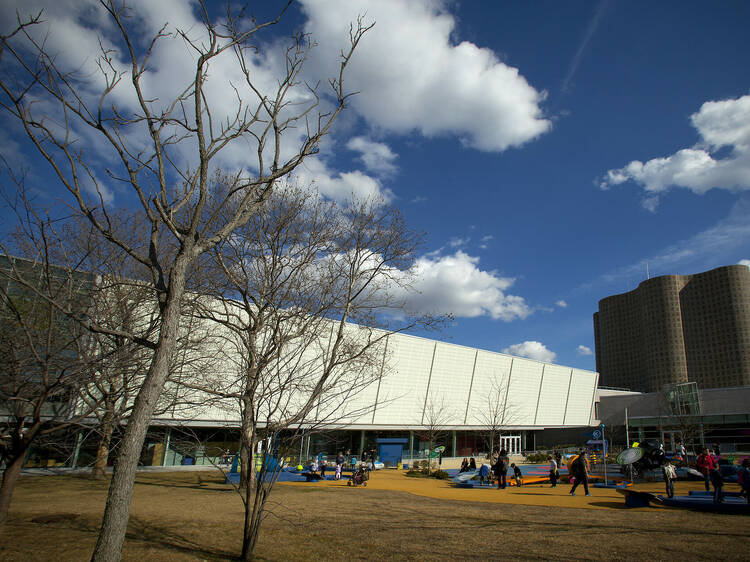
{"x": 441, "y": 475}
{"x": 536, "y": 457}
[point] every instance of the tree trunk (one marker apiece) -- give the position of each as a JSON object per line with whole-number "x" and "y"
{"x": 10, "y": 477}
{"x": 250, "y": 531}
{"x": 244, "y": 462}
{"x": 102, "y": 449}
{"x": 117, "y": 512}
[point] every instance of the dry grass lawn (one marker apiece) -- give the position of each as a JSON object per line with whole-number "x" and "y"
{"x": 194, "y": 516}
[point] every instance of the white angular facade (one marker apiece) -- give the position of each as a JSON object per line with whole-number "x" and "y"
{"x": 418, "y": 373}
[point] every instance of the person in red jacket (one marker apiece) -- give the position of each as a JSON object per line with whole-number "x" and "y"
{"x": 706, "y": 464}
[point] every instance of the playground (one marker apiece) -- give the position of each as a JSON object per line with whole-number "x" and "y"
{"x": 195, "y": 515}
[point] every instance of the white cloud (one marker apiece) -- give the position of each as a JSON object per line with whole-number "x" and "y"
{"x": 709, "y": 248}
{"x": 73, "y": 29}
{"x": 376, "y": 156}
{"x": 456, "y": 285}
{"x": 744, "y": 262}
{"x": 719, "y": 124}
{"x": 418, "y": 199}
{"x": 457, "y": 242}
{"x": 561, "y": 303}
{"x": 340, "y": 186}
{"x": 411, "y": 76}
{"x": 487, "y": 238}
{"x": 532, "y": 350}
{"x": 583, "y": 350}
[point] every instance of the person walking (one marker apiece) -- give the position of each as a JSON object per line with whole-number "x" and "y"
{"x": 501, "y": 469}
{"x": 580, "y": 471}
{"x": 670, "y": 475}
{"x": 552, "y": 471}
{"x": 706, "y": 464}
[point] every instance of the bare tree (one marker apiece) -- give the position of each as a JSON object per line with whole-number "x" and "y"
{"x": 497, "y": 413}
{"x": 40, "y": 371}
{"x": 436, "y": 416}
{"x": 164, "y": 151}
{"x": 308, "y": 292}
{"x": 680, "y": 412}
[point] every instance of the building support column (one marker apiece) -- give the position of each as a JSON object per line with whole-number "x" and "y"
{"x": 77, "y": 450}
{"x": 362, "y": 443}
{"x": 411, "y": 445}
{"x": 454, "y": 443}
{"x": 523, "y": 441}
{"x": 167, "y": 440}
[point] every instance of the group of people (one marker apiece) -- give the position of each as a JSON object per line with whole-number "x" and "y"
{"x": 468, "y": 465}
{"x": 708, "y": 465}
{"x": 320, "y": 465}
{"x": 498, "y": 468}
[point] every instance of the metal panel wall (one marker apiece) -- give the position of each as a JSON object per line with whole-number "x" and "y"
{"x": 553, "y": 396}
{"x": 523, "y": 394}
{"x": 404, "y": 384}
{"x": 489, "y": 387}
{"x": 580, "y": 397}
{"x": 451, "y": 379}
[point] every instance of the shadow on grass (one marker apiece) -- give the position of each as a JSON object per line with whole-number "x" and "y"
{"x": 611, "y": 505}
{"x": 205, "y": 487}
{"x": 153, "y": 535}
{"x": 169, "y": 539}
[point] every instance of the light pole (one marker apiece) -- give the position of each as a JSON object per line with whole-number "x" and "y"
{"x": 604, "y": 452}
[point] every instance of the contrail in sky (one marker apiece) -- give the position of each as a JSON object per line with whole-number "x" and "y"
{"x": 593, "y": 25}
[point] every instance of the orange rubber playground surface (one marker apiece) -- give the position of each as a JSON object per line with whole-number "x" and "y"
{"x": 533, "y": 494}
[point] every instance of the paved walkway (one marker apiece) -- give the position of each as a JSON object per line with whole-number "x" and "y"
{"x": 533, "y": 494}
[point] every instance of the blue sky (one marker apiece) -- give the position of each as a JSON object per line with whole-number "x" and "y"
{"x": 548, "y": 149}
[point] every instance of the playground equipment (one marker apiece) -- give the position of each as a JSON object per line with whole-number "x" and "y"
{"x": 647, "y": 455}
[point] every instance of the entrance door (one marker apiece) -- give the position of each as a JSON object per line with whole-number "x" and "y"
{"x": 511, "y": 443}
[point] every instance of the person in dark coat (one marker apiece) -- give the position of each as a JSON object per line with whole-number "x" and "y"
{"x": 580, "y": 471}
{"x": 718, "y": 483}
{"x": 501, "y": 469}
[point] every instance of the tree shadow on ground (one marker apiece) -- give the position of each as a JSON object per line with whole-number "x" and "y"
{"x": 209, "y": 487}
{"x": 159, "y": 535}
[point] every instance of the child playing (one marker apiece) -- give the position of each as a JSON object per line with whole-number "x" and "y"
{"x": 517, "y": 475}
{"x": 338, "y": 472}
{"x": 718, "y": 482}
